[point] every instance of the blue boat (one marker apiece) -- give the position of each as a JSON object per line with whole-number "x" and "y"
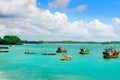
{"x": 50, "y": 53}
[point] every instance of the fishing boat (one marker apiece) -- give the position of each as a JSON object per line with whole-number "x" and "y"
{"x": 4, "y": 47}
{"x": 65, "y": 57}
{"x": 110, "y": 53}
{"x": 50, "y": 53}
{"x": 4, "y": 50}
{"x": 84, "y": 51}
{"x": 28, "y": 52}
{"x": 60, "y": 50}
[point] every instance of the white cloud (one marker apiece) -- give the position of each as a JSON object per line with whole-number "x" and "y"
{"x": 116, "y": 24}
{"x": 100, "y": 29}
{"x": 16, "y": 7}
{"x": 36, "y": 24}
{"x": 62, "y": 4}
{"x": 81, "y": 8}
{"x": 116, "y": 21}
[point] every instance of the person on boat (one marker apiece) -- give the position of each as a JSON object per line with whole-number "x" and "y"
{"x": 59, "y": 49}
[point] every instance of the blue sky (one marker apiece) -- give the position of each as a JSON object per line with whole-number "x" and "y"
{"x": 100, "y": 9}
{"x": 79, "y": 20}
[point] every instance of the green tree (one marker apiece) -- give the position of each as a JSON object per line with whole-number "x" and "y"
{"x": 0, "y": 40}
{"x": 11, "y": 39}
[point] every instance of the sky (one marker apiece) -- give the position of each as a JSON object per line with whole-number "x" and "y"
{"x": 58, "y": 20}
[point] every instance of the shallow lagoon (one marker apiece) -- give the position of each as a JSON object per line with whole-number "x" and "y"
{"x": 15, "y": 65}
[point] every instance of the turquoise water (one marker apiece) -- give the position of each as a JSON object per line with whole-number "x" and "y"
{"x": 15, "y": 65}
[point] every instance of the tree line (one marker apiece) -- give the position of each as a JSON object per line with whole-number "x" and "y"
{"x": 70, "y": 42}
{"x": 12, "y": 39}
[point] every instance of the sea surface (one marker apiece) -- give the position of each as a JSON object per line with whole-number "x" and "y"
{"x": 15, "y": 65}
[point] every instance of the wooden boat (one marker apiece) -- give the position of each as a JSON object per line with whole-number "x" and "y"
{"x": 65, "y": 58}
{"x": 110, "y": 53}
{"x": 4, "y": 47}
{"x": 28, "y": 52}
{"x": 4, "y": 50}
{"x": 51, "y": 53}
{"x": 60, "y": 50}
{"x": 84, "y": 51}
